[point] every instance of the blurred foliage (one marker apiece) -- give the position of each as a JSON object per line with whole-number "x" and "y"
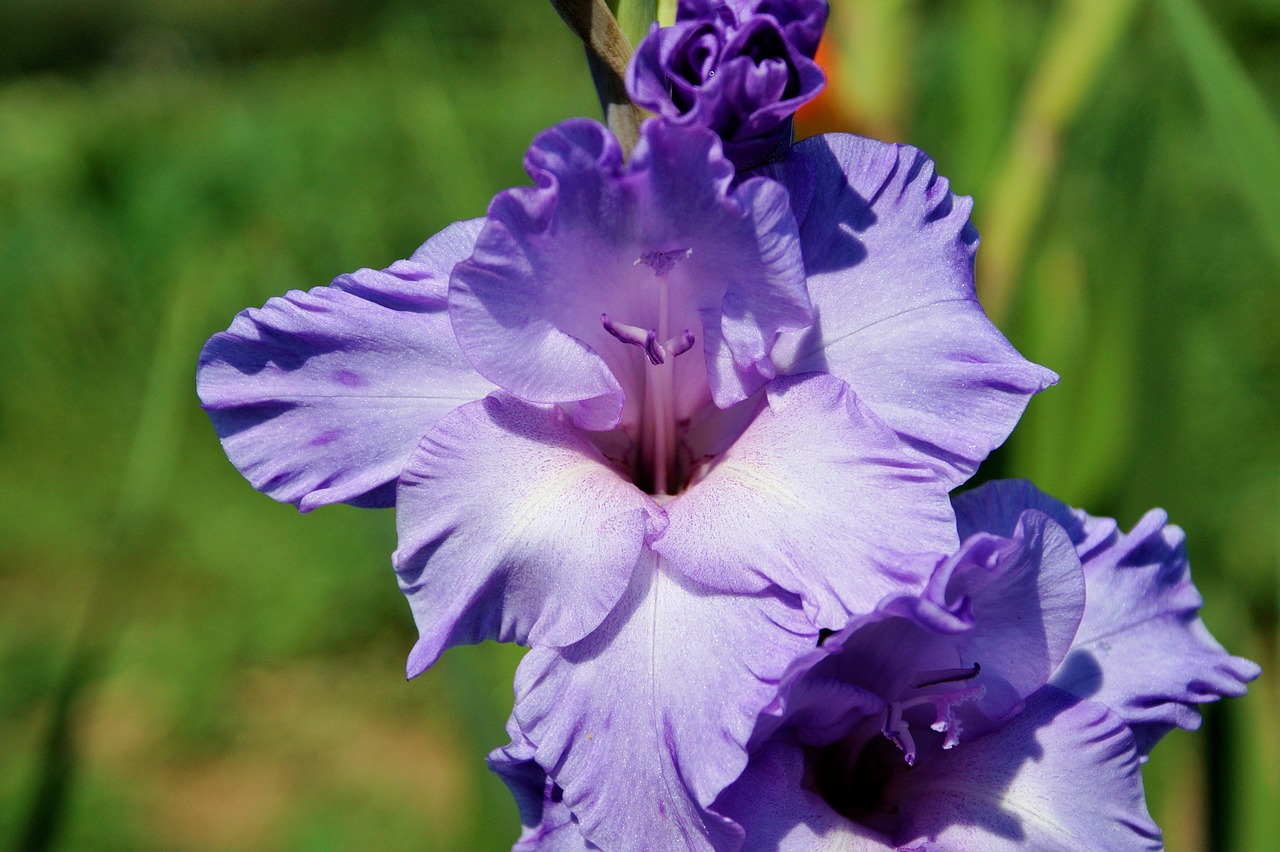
{"x": 184, "y": 664}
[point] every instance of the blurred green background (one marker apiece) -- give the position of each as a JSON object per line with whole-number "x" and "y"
{"x": 186, "y": 665}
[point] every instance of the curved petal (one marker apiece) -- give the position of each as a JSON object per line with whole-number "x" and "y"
{"x": 320, "y": 397}
{"x": 1062, "y": 775}
{"x": 645, "y": 722}
{"x": 801, "y": 20}
{"x": 778, "y": 812}
{"x": 889, "y": 253}
{"x": 659, "y": 244}
{"x": 548, "y": 825}
{"x": 816, "y": 496}
{"x": 1026, "y": 595}
{"x": 991, "y": 626}
{"x": 996, "y": 507}
{"x": 740, "y": 69}
{"x": 512, "y": 526}
{"x": 1142, "y": 649}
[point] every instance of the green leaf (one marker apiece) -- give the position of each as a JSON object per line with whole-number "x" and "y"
{"x": 1246, "y": 132}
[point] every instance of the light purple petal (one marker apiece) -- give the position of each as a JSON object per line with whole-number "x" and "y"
{"x": 778, "y": 812}
{"x": 320, "y": 397}
{"x": 889, "y": 253}
{"x": 1062, "y": 775}
{"x": 645, "y": 722}
{"x": 598, "y": 238}
{"x": 513, "y": 527}
{"x": 996, "y": 507}
{"x": 816, "y": 496}
{"x": 1026, "y": 595}
{"x": 548, "y": 825}
{"x": 1142, "y": 649}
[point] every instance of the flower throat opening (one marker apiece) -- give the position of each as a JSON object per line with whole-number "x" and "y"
{"x": 855, "y": 775}
{"x": 657, "y": 468}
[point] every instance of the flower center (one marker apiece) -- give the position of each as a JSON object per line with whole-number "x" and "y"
{"x": 658, "y": 469}
{"x": 854, "y": 774}
{"x": 647, "y": 339}
{"x": 944, "y": 702}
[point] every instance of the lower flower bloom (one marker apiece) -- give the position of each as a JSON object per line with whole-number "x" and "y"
{"x": 1008, "y": 706}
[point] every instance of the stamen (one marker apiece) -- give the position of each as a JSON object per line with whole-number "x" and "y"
{"x": 899, "y": 733}
{"x": 657, "y": 355}
{"x": 944, "y": 704}
{"x": 626, "y": 333}
{"x": 657, "y": 438}
{"x": 636, "y": 336}
{"x": 648, "y": 340}
{"x": 677, "y": 346}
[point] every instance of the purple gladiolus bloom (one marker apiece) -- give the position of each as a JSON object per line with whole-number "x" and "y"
{"x": 738, "y": 67}
{"x": 658, "y": 420}
{"x": 1007, "y": 706}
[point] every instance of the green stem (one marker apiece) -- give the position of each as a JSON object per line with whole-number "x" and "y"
{"x": 608, "y": 52}
{"x": 635, "y": 16}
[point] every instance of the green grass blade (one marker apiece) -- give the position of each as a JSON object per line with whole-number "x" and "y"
{"x": 1245, "y": 129}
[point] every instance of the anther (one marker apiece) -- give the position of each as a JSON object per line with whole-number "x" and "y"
{"x": 941, "y": 676}
{"x": 896, "y": 729}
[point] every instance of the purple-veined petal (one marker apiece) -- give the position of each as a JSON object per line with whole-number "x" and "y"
{"x": 889, "y": 254}
{"x": 777, "y": 812}
{"x": 816, "y": 496}
{"x": 1063, "y": 774}
{"x": 320, "y": 397}
{"x": 597, "y": 239}
{"x": 645, "y": 722}
{"x": 513, "y": 526}
{"x": 1142, "y": 648}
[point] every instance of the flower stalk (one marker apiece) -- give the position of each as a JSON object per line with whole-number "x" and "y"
{"x": 634, "y": 17}
{"x": 608, "y": 52}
